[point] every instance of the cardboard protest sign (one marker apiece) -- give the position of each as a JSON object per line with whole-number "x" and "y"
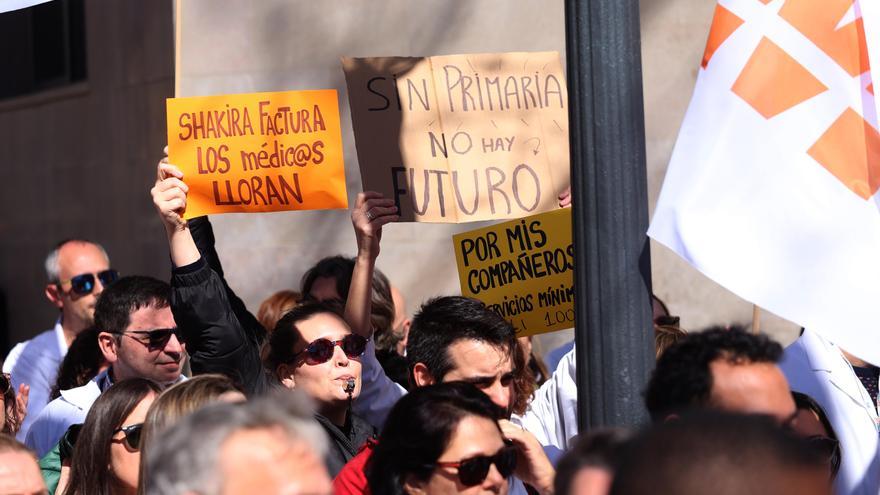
{"x": 462, "y": 138}
{"x": 523, "y": 270}
{"x": 258, "y": 152}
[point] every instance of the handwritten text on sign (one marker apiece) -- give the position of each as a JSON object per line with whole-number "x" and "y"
{"x": 522, "y": 269}
{"x": 462, "y": 138}
{"x": 258, "y": 152}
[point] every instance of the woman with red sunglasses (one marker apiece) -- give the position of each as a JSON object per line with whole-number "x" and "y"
{"x": 313, "y": 349}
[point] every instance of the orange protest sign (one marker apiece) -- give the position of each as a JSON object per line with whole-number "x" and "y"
{"x": 258, "y": 152}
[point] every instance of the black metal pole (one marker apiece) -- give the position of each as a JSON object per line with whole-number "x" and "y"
{"x": 613, "y": 332}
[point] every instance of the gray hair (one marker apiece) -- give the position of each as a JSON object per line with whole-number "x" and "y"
{"x": 184, "y": 457}
{"x": 51, "y": 264}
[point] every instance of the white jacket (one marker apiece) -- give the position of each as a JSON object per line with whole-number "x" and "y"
{"x": 817, "y": 368}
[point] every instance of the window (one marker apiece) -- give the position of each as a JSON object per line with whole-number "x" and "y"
{"x": 42, "y": 47}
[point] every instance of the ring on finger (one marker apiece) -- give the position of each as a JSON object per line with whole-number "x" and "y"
{"x": 369, "y": 215}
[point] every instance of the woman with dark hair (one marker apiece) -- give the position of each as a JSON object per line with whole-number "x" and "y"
{"x": 83, "y": 361}
{"x": 442, "y": 439}
{"x": 813, "y": 424}
{"x": 313, "y": 349}
{"x": 107, "y": 453}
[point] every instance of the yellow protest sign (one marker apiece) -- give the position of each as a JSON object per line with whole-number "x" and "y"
{"x": 462, "y": 138}
{"x": 522, "y": 269}
{"x": 258, "y": 152}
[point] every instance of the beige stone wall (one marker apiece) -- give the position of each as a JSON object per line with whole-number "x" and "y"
{"x": 90, "y": 153}
{"x": 235, "y": 46}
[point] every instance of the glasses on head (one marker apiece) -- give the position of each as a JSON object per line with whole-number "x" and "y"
{"x": 155, "y": 339}
{"x": 132, "y": 435}
{"x": 473, "y": 471}
{"x": 828, "y": 448}
{"x": 321, "y": 350}
{"x": 85, "y": 283}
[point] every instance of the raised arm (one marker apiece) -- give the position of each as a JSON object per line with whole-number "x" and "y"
{"x": 378, "y": 392}
{"x": 169, "y": 198}
{"x": 216, "y": 338}
{"x": 370, "y": 213}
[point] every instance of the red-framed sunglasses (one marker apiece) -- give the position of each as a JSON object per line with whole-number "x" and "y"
{"x": 321, "y": 350}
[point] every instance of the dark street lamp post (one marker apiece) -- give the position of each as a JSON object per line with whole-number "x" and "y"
{"x": 615, "y": 351}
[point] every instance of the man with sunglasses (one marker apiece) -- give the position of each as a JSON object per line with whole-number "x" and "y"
{"x": 138, "y": 337}
{"x": 77, "y": 271}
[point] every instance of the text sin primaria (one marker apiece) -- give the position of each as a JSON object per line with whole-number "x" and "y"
{"x": 467, "y": 92}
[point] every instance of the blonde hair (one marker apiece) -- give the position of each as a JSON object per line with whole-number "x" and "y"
{"x": 666, "y": 335}
{"x": 176, "y": 402}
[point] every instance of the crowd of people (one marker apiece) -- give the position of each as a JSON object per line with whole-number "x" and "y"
{"x": 148, "y": 387}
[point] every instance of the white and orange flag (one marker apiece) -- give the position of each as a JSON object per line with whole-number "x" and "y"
{"x": 772, "y": 186}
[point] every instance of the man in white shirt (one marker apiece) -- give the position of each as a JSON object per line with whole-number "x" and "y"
{"x": 77, "y": 273}
{"x": 818, "y": 368}
{"x": 138, "y": 337}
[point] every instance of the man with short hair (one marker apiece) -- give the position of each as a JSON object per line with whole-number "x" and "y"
{"x": 77, "y": 271}
{"x": 138, "y": 337}
{"x": 459, "y": 339}
{"x": 729, "y": 370}
{"x": 268, "y": 445}
{"x": 456, "y": 338}
{"x": 19, "y": 472}
{"x": 722, "y": 454}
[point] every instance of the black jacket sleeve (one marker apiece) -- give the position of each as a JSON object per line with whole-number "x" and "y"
{"x": 203, "y": 235}
{"x": 221, "y": 335}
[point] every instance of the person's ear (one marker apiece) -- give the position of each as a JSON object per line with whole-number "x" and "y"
{"x": 109, "y": 346}
{"x": 284, "y": 372}
{"x": 53, "y": 294}
{"x": 422, "y": 376}
{"x": 413, "y": 485}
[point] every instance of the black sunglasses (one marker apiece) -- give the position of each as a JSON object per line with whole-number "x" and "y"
{"x": 473, "y": 471}
{"x": 132, "y": 435}
{"x": 321, "y": 350}
{"x": 85, "y": 283}
{"x": 156, "y": 339}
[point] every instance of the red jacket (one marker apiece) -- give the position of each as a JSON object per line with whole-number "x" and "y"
{"x": 352, "y": 480}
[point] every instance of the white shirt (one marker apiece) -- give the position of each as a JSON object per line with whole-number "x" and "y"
{"x": 35, "y": 362}
{"x": 69, "y": 409}
{"x": 552, "y": 413}
{"x": 818, "y": 368}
